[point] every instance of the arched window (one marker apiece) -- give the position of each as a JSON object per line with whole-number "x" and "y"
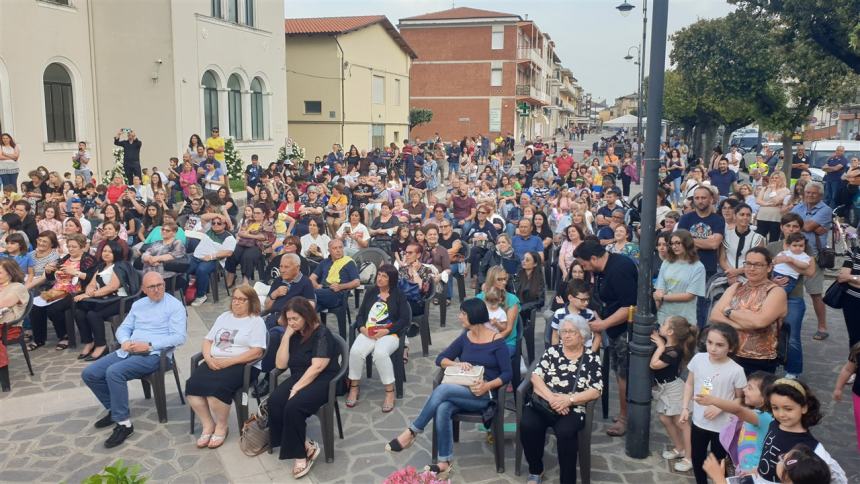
{"x": 210, "y": 101}
{"x": 257, "y": 126}
{"x": 234, "y": 103}
{"x": 59, "y": 104}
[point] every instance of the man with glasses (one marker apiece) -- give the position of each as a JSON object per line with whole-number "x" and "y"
{"x": 708, "y": 230}
{"x": 216, "y": 245}
{"x": 216, "y": 144}
{"x": 817, "y": 221}
{"x": 606, "y": 234}
{"x": 154, "y": 324}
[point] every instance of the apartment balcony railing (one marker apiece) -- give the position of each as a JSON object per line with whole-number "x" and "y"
{"x": 533, "y": 55}
{"x": 525, "y": 90}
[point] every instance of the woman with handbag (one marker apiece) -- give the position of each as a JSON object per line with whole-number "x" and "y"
{"x": 849, "y": 277}
{"x": 567, "y": 377}
{"x": 479, "y": 352}
{"x": 237, "y": 337}
{"x": 756, "y": 309}
{"x": 68, "y": 275}
{"x": 310, "y": 352}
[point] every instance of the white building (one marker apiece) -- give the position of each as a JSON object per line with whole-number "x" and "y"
{"x": 75, "y": 70}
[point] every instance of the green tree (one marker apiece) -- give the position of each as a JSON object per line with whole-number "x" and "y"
{"x": 419, "y": 116}
{"x": 833, "y": 25}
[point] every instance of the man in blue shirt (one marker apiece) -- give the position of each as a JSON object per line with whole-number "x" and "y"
{"x": 723, "y": 178}
{"x": 707, "y": 229}
{"x": 333, "y": 279}
{"x": 835, "y": 167}
{"x": 155, "y": 323}
{"x": 817, "y": 221}
{"x": 253, "y": 175}
{"x": 526, "y": 241}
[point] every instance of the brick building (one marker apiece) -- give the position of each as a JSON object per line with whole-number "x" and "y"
{"x": 479, "y": 72}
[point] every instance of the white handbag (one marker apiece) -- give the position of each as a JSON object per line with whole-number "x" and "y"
{"x": 455, "y": 375}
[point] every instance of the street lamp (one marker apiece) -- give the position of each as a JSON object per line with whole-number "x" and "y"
{"x": 639, "y": 374}
{"x": 625, "y": 8}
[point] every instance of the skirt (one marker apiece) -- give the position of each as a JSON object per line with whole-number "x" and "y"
{"x": 668, "y": 397}
{"x": 221, "y": 384}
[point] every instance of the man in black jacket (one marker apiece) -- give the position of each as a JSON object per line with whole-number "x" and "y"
{"x": 28, "y": 220}
{"x": 131, "y": 153}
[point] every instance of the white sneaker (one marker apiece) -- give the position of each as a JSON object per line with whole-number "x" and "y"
{"x": 672, "y": 454}
{"x": 199, "y": 301}
{"x": 683, "y": 465}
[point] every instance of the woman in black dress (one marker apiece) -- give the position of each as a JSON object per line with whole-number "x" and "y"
{"x": 310, "y": 352}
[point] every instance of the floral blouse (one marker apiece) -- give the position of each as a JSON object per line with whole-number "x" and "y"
{"x": 175, "y": 248}
{"x": 558, "y": 372}
{"x": 630, "y": 250}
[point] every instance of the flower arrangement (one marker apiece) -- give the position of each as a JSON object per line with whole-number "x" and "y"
{"x": 410, "y": 475}
{"x": 118, "y": 167}
{"x": 291, "y": 151}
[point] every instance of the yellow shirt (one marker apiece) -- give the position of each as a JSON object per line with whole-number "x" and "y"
{"x": 216, "y": 144}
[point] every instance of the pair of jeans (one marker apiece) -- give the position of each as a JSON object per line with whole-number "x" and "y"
{"x": 456, "y": 268}
{"x": 108, "y": 379}
{"x": 794, "y": 318}
{"x": 831, "y": 192}
{"x": 676, "y": 184}
{"x": 445, "y": 401}
{"x": 10, "y": 179}
{"x": 202, "y": 269}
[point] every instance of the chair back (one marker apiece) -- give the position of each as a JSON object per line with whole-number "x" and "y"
{"x": 371, "y": 254}
{"x": 17, "y": 321}
{"x": 336, "y": 387}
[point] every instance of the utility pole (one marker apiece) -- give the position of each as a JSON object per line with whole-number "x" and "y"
{"x": 639, "y": 380}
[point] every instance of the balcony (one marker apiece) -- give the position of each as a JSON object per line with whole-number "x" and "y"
{"x": 528, "y": 54}
{"x": 527, "y": 93}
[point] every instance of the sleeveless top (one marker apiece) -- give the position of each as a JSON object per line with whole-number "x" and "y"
{"x": 756, "y": 344}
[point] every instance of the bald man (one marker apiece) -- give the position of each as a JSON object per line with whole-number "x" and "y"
{"x": 154, "y": 324}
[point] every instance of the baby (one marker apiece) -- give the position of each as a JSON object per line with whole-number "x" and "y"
{"x": 791, "y": 260}
{"x": 498, "y": 317}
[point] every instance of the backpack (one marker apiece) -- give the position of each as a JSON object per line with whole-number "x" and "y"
{"x": 367, "y": 273}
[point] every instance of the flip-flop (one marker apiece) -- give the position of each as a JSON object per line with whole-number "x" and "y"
{"x": 217, "y": 440}
{"x": 203, "y": 441}
{"x": 821, "y": 335}
{"x": 315, "y": 451}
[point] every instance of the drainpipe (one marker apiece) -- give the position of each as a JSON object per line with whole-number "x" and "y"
{"x": 342, "y": 100}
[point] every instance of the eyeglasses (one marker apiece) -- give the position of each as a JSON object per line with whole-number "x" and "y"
{"x": 757, "y": 265}
{"x": 217, "y": 223}
{"x": 239, "y": 299}
{"x": 583, "y": 299}
{"x": 155, "y": 287}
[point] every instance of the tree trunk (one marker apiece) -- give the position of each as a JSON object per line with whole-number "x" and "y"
{"x": 710, "y": 133}
{"x": 787, "y": 154}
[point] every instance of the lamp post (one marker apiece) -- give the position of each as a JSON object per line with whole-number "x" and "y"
{"x": 625, "y": 9}
{"x": 639, "y": 72}
{"x": 639, "y": 375}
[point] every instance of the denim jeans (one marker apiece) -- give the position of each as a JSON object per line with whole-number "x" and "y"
{"x": 201, "y": 270}
{"x": 445, "y": 401}
{"x": 831, "y": 192}
{"x": 794, "y": 318}
{"x": 456, "y": 268}
{"x": 108, "y": 379}
{"x": 676, "y": 184}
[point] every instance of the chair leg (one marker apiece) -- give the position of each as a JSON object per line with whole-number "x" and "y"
{"x": 456, "y": 430}
{"x": 191, "y": 421}
{"x": 5, "y": 382}
{"x": 147, "y": 389}
{"x": 26, "y": 354}
{"x": 213, "y": 284}
{"x": 160, "y": 398}
{"x": 328, "y": 433}
{"x": 424, "y": 327}
{"x": 368, "y": 363}
{"x": 529, "y": 336}
{"x": 339, "y": 423}
{"x": 434, "y": 453}
{"x": 70, "y": 328}
{"x": 178, "y": 385}
{"x": 604, "y": 397}
{"x": 499, "y": 441}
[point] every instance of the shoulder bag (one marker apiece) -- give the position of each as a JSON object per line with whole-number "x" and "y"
{"x": 835, "y": 294}
{"x": 455, "y": 375}
{"x": 542, "y": 406}
{"x": 826, "y": 257}
{"x": 255, "y": 433}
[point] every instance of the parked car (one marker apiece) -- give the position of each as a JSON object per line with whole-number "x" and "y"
{"x": 821, "y": 151}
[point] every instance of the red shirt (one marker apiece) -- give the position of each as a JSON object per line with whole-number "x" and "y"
{"x": 564, "y": 163}
{"x": 114, "y": 192}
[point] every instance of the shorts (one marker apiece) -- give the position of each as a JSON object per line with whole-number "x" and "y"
{"x": 668, "y": 397}
{"x": 815, "y": 285}
{"x": 619, "y": 355}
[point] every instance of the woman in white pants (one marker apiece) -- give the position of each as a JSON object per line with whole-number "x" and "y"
{"x": 382, "y": 320}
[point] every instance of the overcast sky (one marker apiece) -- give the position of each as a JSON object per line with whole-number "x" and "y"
{"x": 591, "y": 36}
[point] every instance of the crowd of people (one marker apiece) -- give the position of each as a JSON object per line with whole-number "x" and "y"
{"x": 737, "y": 246}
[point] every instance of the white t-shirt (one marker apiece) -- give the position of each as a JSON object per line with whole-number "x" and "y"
{"x": 349, "y": 242}
{"x": 722, "y": 379}
{"x": 787, "y": 269}
{"x": 734, "y": 161}
{"x": 207, "y": 246}
{"x": 232, "y": 336}
{"x": 497, "y": 314}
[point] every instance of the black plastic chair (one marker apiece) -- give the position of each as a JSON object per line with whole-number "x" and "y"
{"x": 329, "y": 413}
{"x": 241, "y": 397}
{"x": 529, "y": 327}
{"x": 370, "y": 254}
{"x": 344, "y": 318}
{"x": 460, "y": 277}
{"x": 153, "y": 384}
{"x": 497, "y": 428}
{"x": 583, "y": 437}
{"x": 396, "y": 362}
{"x": 4, "y": 335}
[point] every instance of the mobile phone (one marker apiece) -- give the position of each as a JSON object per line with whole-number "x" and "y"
{"x": 740, "y": 480}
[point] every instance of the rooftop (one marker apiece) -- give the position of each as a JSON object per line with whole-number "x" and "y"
{"x": 461, "y": 13}
{"x": 344, "y": 25}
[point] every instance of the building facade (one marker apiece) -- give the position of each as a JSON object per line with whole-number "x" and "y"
{"x": 349, "y": 82}
{"x": 162, "y": 68}
{"x": 479, "y": 71}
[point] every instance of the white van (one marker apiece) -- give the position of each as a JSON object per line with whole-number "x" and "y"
{"x": 821, "y": 151}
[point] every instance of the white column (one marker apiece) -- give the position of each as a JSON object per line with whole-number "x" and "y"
{"x": 246, "y": 115}
{"x": 223, "y": 112}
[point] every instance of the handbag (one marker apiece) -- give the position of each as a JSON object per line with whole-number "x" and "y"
{"x": 542, "y": 406}
{"x": 826, "y": 257}
{"x": 51, "y": 295}
{"x": 455, "y": 375}
{"x": 782, "y": 338}
{"x": 834, "y": 295}
{"x": 255, "y": 432}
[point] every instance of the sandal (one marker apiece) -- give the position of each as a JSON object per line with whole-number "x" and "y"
{"x": 61, "y": 346}
{"x": 353, "y": 402}
{"x": 618, "y": 429}
{"x": 300, "y": 471}
{"x": 203, "y": 441}
{"x": 821, "y": 335}
{"x": 217, "y": 440}
{"x": 440, "y": 474}
{"x": 314, "y": 451}
{"x": 395, "y": 446}
{"x": 34, "y": 346}
{"x": 388, "y": 408}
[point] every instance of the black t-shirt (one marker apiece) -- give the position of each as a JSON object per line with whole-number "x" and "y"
{"x": 321, "y": 344}
{"x": 448, "y": 243}
{"x": 616, "y": 288}
{"x": 776, "y": 443}
{"x": 672, "y": 357}
{"x": 361, "y": 194}
{"x": 795, "y": 172}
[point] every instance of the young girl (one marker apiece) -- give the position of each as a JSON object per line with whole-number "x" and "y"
{"x": 498, "y": 317}
{"x": 799, "y": 465}
{"x": 794, "y": 410}
{"x": 711, "y": 373}
{"x": 749, "y": 438}
{"x": 676, "y": 344}
{"x": 851, "y": 368}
